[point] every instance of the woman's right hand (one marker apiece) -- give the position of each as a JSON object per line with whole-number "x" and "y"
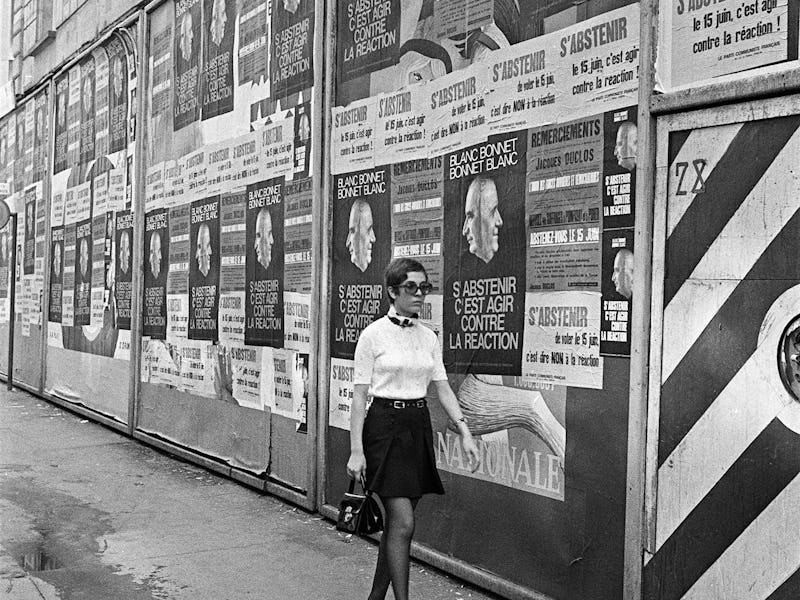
{"x": 357, "y": 466}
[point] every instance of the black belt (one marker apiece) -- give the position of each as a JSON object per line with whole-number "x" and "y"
{"x": 392, "y": 403}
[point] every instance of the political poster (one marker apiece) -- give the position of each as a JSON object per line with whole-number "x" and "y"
{"x": 186, "y": 62}
{"x": 361, "y": 251}
{"x": 253, "y": 53}
{"x": 615, "y": 330}
{"x": 519, "y": 426}
{"x": 41, "y": 139}
{"x": 101, "y": 86}
{"x": 292, "y": 47}
{"x": 297, "y": 258}
{"x": 232, "y": 266}
{"x": 204, "y": 266}
{"x": 619, "y": 169}
{"x": 123, "y": 277}
{"x": 703, "y": 40}
{"x": 87, "y": 99}
{"x": 216, "y": 83}
{"x": 83, "y": 273}
{"x": 156, "y": 270}
{"x": 418, "y": 213}
{"x": 563, "y": 192}
{"x": 264, "y": 264}
{"x": 117, "y": 96}
{"x": 561, "y": 340}
{"x": 368, "y": 36}
{"x": 484, "y": 240}
{"x": 29, "y": 241}
{"x": 56, "y": 273}
{"x": 302, "y": 140}
{"x": 178, "y": 275}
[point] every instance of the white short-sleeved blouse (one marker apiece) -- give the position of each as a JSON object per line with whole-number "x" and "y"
{"x": 398, "y": 362}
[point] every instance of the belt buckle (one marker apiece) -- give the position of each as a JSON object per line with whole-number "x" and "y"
{"x": 420, "y": 404}
{"x": 398, "y": 404}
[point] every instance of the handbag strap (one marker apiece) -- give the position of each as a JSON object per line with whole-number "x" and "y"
{"x": 351, "y": 488}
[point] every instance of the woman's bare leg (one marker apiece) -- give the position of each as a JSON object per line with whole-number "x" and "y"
{"x": 394, "y": 551}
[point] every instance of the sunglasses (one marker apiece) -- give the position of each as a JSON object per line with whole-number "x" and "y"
{"x": 411, "y": 287}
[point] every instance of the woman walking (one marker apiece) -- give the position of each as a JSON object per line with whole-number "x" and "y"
{"x": 391, "y": 449}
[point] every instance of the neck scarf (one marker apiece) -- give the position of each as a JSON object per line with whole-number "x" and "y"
{"x": 399, "y": 320}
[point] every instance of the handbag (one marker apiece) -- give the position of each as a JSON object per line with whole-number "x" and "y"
{"x": 359, "y": 513}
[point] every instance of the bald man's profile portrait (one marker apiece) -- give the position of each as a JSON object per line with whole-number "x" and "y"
{"x": 360, "y": 235}
{"x": 204, "y": 250}
{"x": 291, "y": 5}
{"x": 625, "y": 147}
{"x": 57, "y": 259}
{"x": 186, "y": 35}
{"x": 155, "y": 254}
{"x": 219, "y": 19}
{"x": 264, "y": 239}
{"x": 84, "y": 258}
{"x": 124, "y": 252}
{"x": 623, "y": 273}
{"x": 482, "y": 220}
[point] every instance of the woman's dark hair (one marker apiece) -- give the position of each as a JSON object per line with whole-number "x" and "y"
{"x": 397, "y": 272}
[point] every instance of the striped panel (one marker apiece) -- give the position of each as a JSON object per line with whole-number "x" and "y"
{"x": 728, "y": 527}
{"x": 755, "y": 145}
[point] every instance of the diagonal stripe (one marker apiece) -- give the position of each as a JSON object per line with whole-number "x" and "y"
{"x": 710, "y": 143}
{"x": 732, "y": 254}
{"x": 760, "y": 559}
{"x": 728, "y": 340}
{"x": 756, "y": 145}
{"x": 724, "y": 431}
{"x": 676, "y": 141}
{"x": 790, "y": 590}
{"x": 749, "y": 486}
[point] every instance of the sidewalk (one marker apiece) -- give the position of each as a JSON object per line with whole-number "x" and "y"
{"x": 88, "y": 513}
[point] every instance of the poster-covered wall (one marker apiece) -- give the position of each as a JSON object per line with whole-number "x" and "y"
{"x": 228, "y": 214}
{"x": 23, "y": 159}
{"x": 91, "y": 229}
{"x": 504, "y": 161}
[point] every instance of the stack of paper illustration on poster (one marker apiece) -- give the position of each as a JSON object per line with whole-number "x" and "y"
{"x": 228, "y": 201}
{"x": 511, "y": 178}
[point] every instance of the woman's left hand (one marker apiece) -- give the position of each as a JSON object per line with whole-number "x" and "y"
{"x": 471, "y": 450}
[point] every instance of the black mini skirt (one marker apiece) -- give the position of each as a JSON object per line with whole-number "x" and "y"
{"x": 398, "y": 446}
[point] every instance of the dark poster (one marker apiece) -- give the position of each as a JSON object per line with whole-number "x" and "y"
{"x": 186, "y": 58}
{"x": 83, "y": 272}
{"x": 117, "y": 95}
{"x": 156, "y": 250}
{"x": 617, "y": 289}
{"x": 292, "y": 48}
{"x": 56, "y": 274}
{"x": 60, "y": 134}
{"x": 204, "y": 269}
{"x": 619, "y": 168}
{"x": 361, "y": 251}
{"x": 87, "y": 111}
{"x": 217, "y": 79}
{"x": 5, "y": 260}
{"x": 302, "y": 140}
{"x": 29, "y": 243}
{"x": 19, "y": 156}
{"x": 253, "y": 48}
{"x": 264, "y": 264}
{"x": 124, "y": 268}
{"x": 484, "y": 256}
{"x": 368, "y": 37}
{"x": 40, "y": 147}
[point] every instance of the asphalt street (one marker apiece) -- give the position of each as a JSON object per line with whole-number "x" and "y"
{"x": 86, "y": 512}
